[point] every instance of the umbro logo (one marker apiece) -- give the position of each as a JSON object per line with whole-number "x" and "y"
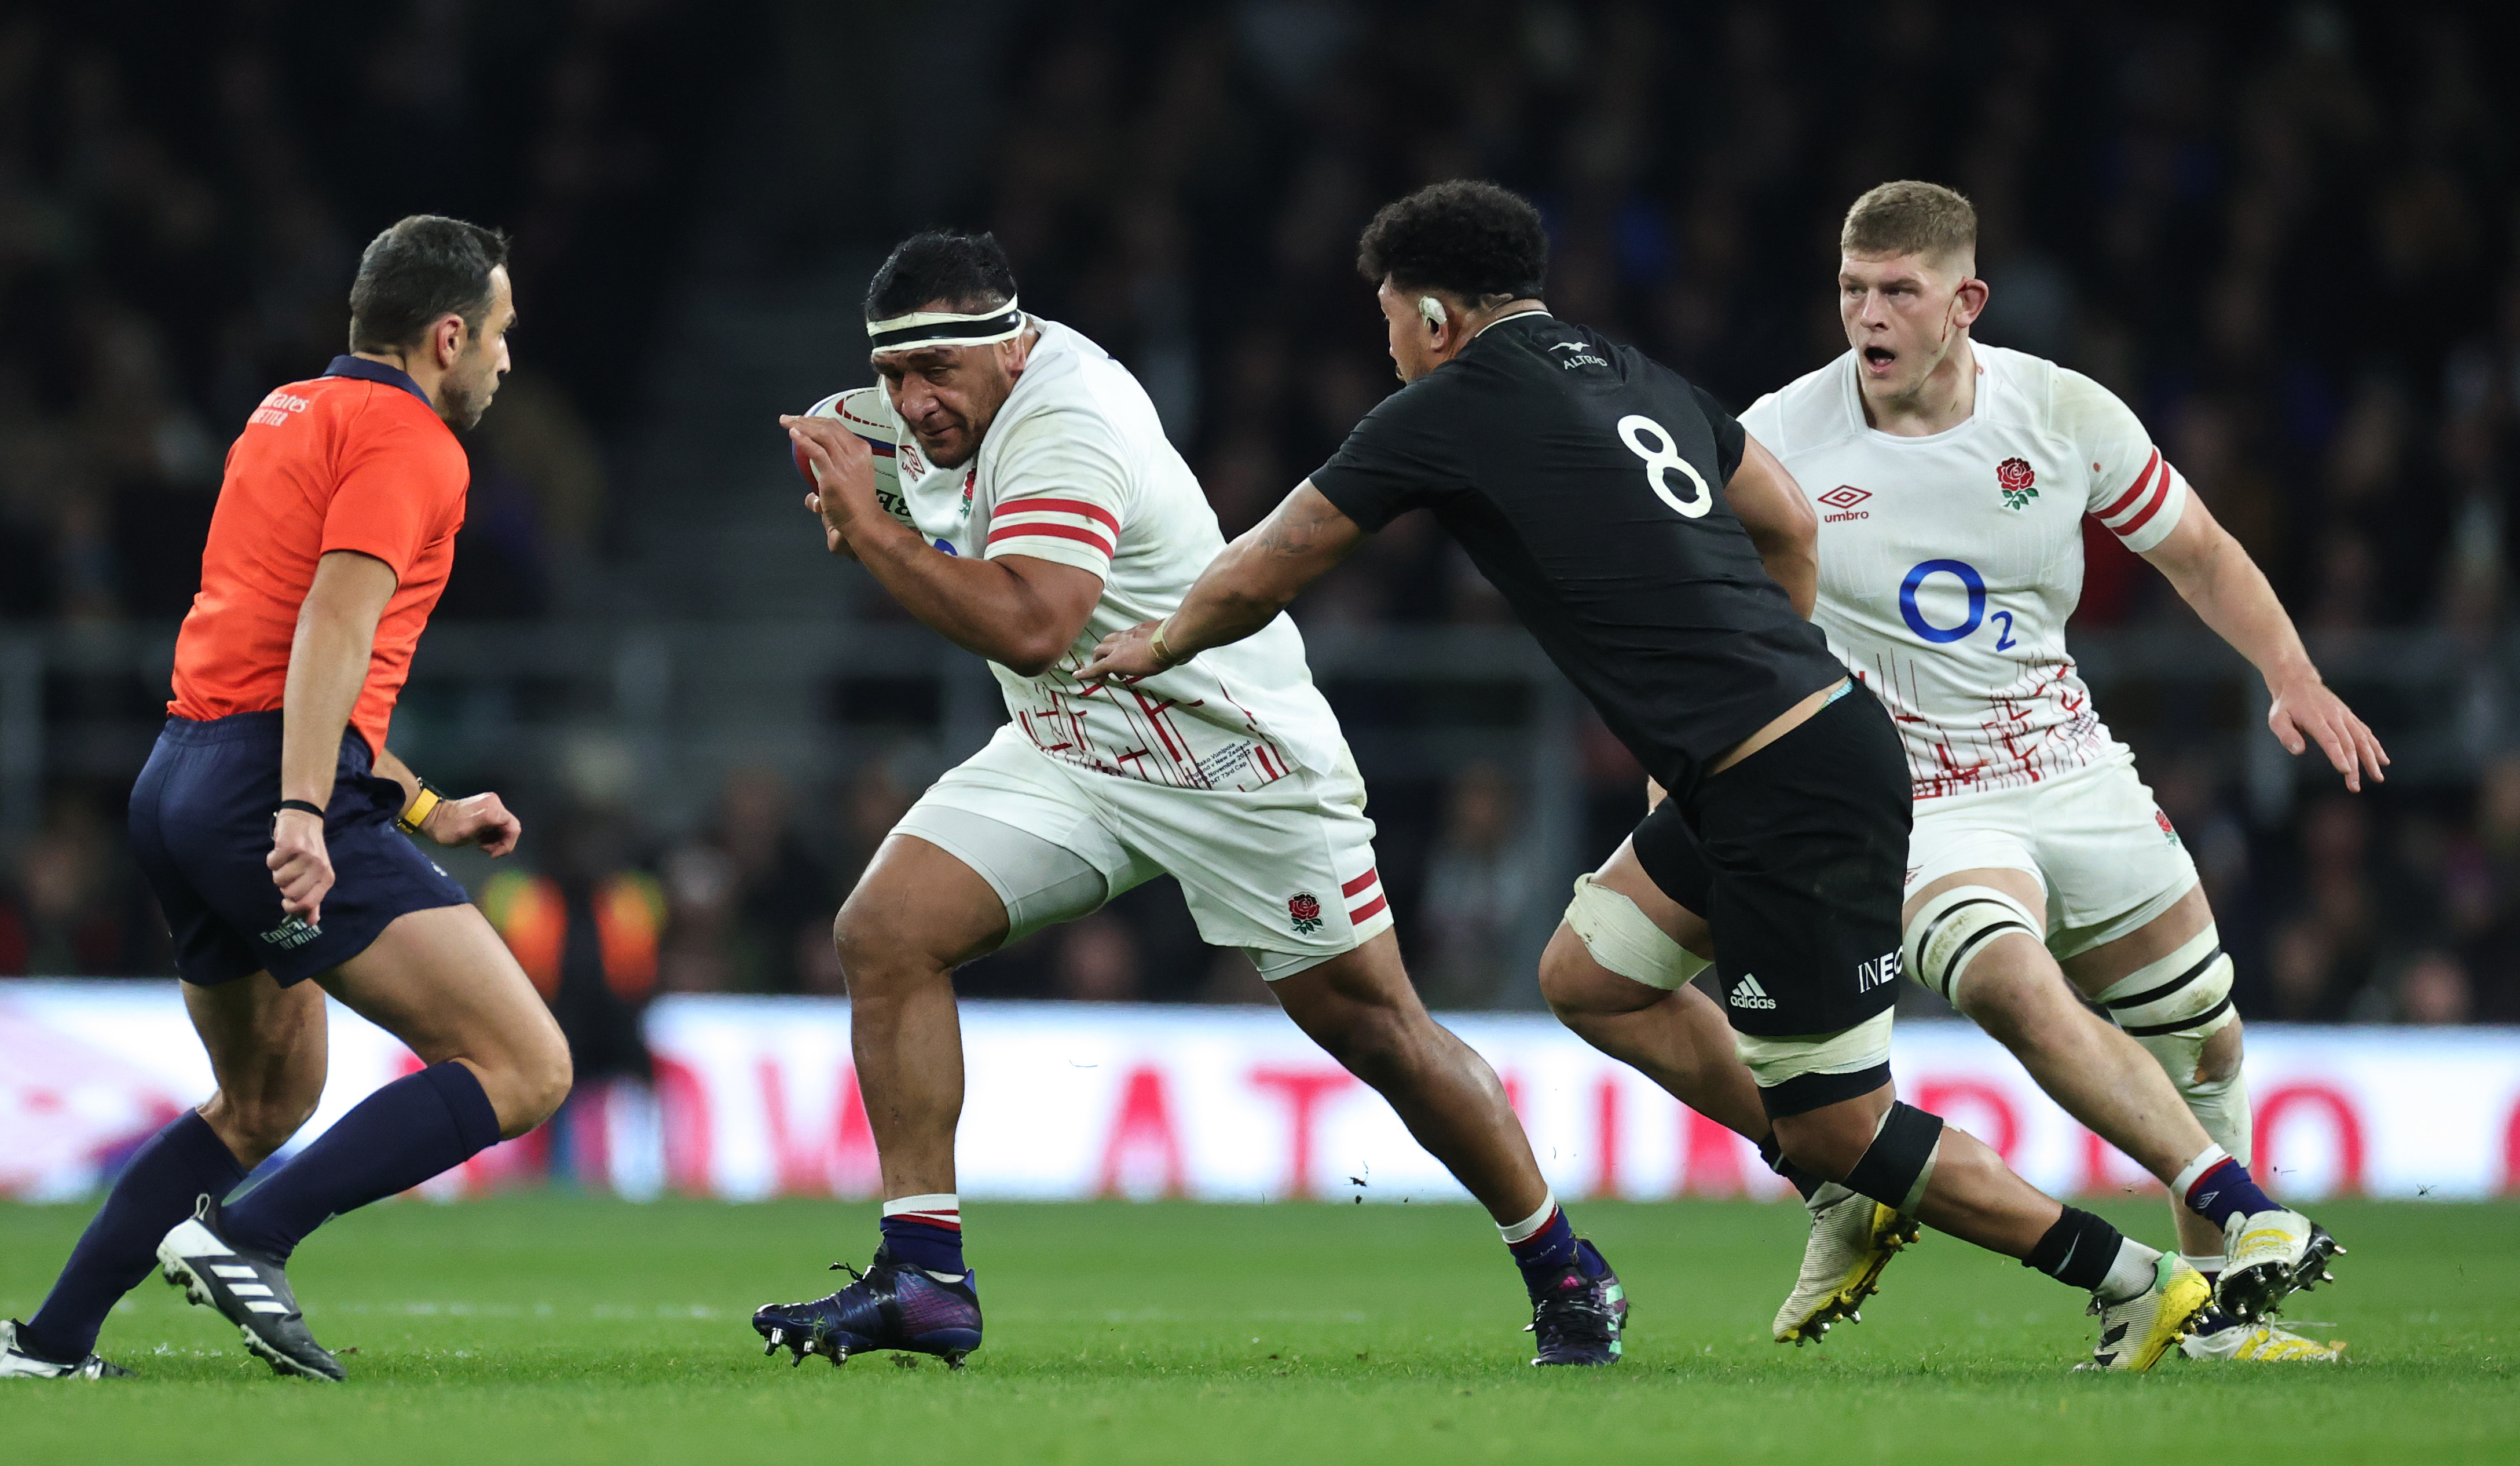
{"x": 1747, "y": 994}
{"x": 1843, "y": 499}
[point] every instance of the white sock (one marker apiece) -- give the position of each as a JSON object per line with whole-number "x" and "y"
{"x": 2130, "y": 1274}
{"x": 2208, "y": 1266}
{"x": 1529, "y": 1228}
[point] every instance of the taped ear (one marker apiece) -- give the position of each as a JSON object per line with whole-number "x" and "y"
{"x": 1432, "y": 309}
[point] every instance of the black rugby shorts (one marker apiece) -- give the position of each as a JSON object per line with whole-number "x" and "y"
{"x": 1797, "y": 858}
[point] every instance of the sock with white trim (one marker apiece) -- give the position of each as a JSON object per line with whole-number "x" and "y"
{"x": 2218, "y": 1187}
{"x": 1542, "y": 1243}
{"x": 926, "y": 1231}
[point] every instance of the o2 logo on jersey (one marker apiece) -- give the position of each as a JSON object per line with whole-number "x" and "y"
{"x": 1663, "y": 459}
{"x": 1970, "y": 581}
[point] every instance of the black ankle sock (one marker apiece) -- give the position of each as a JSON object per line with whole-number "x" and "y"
{"x": 2078, "y": 1251}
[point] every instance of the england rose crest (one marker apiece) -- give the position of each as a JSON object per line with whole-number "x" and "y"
{"x": 2017, "y": 479}
{"x": 1305, "y": 911}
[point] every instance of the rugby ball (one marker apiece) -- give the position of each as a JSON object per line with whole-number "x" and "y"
{"x": 868, "y": 413}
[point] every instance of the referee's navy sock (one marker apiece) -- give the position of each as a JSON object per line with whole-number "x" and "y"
{"x": 170, "y": 1172}
{"x": 392, "y": 1141}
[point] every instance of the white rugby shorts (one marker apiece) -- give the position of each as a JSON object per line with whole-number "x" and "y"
{"x": 2108, "y": 855}
{"x": 1285, "y": 872}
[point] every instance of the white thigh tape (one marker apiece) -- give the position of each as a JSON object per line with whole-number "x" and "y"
{"x": 1773, "y": 1061}
{"x": 2187, "y": 992}
{"x": 1623, "y": 939}
{"x": 2173, "y": 1006}
{"x": 1956, "y": 926}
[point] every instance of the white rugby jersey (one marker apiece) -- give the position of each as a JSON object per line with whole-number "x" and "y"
{"x": 1076, "y": 470}
{"x": 1948, "y": 564}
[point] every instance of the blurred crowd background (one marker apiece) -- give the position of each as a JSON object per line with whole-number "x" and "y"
{"x": 2289, "y": 235}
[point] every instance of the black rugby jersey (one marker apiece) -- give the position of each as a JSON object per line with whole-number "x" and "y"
{"x": 1587, "y": 483}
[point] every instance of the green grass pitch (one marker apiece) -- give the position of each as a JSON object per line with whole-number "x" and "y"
{"x": 550, "y": 1329}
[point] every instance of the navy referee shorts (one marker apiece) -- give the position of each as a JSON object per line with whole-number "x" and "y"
{"x": 200, "y": 829}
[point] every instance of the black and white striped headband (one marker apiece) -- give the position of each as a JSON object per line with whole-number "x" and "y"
{"x": 945, "y": 328}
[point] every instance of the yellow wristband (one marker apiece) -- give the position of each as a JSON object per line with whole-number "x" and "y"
{"x": 418, "y": 811}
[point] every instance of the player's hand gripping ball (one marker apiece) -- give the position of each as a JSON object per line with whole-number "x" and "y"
{"x": 863, "y": 414}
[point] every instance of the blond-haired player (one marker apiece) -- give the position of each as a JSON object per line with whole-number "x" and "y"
{"x": 1951, "y": 479}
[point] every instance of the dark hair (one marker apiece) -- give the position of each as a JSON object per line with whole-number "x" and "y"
{"x": 1466, "y": 237}
{"x": 421, "y": 269}
{"x": 967, "y": 271}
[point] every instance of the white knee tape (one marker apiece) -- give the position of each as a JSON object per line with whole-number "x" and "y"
{"x": 2172, "y": 1007}
{"x": 1952, "y": 927}
{"x": 1623, "y": 939}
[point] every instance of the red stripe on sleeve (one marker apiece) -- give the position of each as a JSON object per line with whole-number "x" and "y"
{"x": 2160, "y": 497}
{"x": 1362, "y": 914}
{"x": 2134, "y": 488}
{"x": 1358, "y": 884}
{"x": 1052, "y": 531}
{"x": 1037, "y": 503}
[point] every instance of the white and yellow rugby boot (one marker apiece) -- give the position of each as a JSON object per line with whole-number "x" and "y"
{"x": 1852, "y": 1238}
{"x": 2272, "y": 1254}
{"x": 2134, "y": 1334}
{"x": 2219, "y": 1336}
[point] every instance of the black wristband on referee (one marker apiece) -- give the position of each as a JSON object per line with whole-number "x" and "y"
{"x": 303, "y": 807}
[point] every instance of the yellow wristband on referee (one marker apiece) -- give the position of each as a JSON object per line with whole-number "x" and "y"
{"x": 417, "y": 812}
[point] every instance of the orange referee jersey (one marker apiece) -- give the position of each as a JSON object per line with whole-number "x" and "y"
{"x": 354, "y": 460}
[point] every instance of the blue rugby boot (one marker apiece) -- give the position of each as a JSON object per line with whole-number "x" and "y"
{"x": 1577, "y": 1316}
{"x": 891, "y": 1305}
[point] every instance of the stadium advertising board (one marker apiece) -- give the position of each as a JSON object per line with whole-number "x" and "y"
{"x": 755, "y": 1097}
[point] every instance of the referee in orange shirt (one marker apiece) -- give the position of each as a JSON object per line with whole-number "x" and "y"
{"x": 266, "y": 821}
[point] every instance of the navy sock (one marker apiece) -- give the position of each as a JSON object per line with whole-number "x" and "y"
{"x": 170, "y": 1172}
{"x": 392, "y": 1141}
{"x": 2079, "y": 1250}
{"x": 924, "y": 1244}
{"x": 2226, "y": 1191}
{"x": 1545, "y": 1256}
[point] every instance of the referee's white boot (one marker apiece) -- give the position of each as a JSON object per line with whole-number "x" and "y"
{"x": 2272, "y": 1254}
{"x": 1852, "y": 1238}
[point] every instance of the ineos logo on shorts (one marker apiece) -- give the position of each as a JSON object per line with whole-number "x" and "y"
{"x": 292, "y": 933}
{"x": 1879, "y": 972}
{"x": 1747, "y": 994}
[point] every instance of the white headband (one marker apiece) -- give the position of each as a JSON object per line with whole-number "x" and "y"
{"x": 944, "y": 328}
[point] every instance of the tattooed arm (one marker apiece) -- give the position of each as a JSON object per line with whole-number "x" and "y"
{"x": 1241, "y": 591}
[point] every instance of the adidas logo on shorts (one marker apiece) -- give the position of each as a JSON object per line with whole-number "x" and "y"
{"x": 1747, "y": 994}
